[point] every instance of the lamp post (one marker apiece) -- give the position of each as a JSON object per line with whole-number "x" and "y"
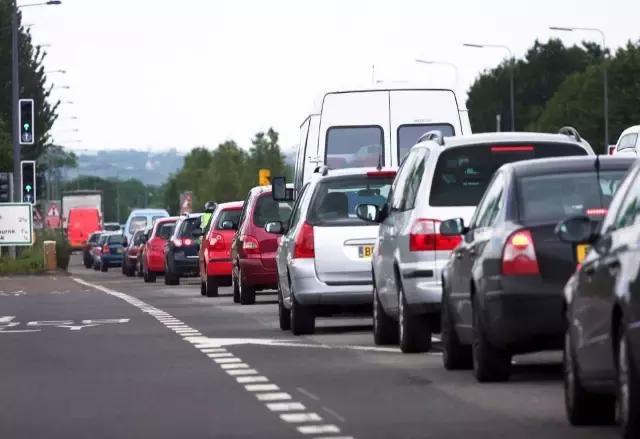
{"x": 511, "y": 69}
{"x": 442, "y": 63}
{"x": 604, "y": 73}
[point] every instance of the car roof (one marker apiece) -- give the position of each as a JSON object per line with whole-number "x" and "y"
{"x": 261, "y": 189}
{"x": 167, "y": 219}
{"x": 147, "y": 211}
{"x": 555, "y": 165}
{"x": 506, "y": 137}
{"x": 630, "y": 130}
{"x": 230, "y": 205}
{"x": 348, "y": 172}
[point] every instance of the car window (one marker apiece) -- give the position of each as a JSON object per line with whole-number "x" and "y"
{"x": 295, "y": 215}
{"x": 232, "y": 215}
{"x": 93, "y": 239}
{"x": 629, "y": 212}
{"x": 354, "y": 146}
{"x": 628, "y": 141}
{"x": 116, "y": 239}
{"x": 335, "y": 200}
{"x": 137, "y": 238}
{"x": 463, "y": 173}
{"x": 243, "y": 213}
{"x": 414, "y": 179}
{"x": 268, "y": 210}
{"x": 103, "y": 239}
{"x": 491, "y": 204}
{"x": 408, "y": 135}
{"x": 137, "y": 223}
{"x": 165, "y": 230}
{"x": 188, "y": 226}
{"x": 398, "y": 186}
{"x": 583, "y": 193}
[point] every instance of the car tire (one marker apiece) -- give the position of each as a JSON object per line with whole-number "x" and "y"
{"x": 284, "y": 314}
{"x": 414, "y": 330}
{"x": 235, "y": 288}
{"x": 151, "y": 276}
{"x": 628, "y": 381}
{"x": 489, "y": 364}
{"x": 211, "y": 286}
{"x": 303, "y": 320}
{"x": 455, "y": 355}
{"x": 203, "y": 288}
{"x": 247, "y": 293}
{"x": 104, "y": 267}
{"x": 96, "y": 266}
{"x": 87, "y": 263}
{"x": 583, "y": 407}
{"x": 385, "y": 329}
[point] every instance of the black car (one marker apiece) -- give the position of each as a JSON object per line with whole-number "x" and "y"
{"x": 502, "y": 286}
{"x": 182, "y": 249}
{"x": 87, "y": 251}
{"x": 602, "y": 347}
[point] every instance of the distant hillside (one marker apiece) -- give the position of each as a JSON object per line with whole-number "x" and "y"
{"x": 149, "y": 167}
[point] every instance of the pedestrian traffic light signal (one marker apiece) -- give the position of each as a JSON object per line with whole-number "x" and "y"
{"x": 264, "y": 177}
{"x": 26, "y": 122}
{"x": 5, "y": 187}
{"x": 28, "y": 181}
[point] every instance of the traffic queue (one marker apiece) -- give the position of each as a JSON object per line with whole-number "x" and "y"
{"x": 502, "y": 243}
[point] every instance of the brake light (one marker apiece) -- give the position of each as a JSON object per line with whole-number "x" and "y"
{"x": 519, "y": 255}
{"x": 250, "y": 245}
{"x": 597, "y": 212}
{"x": 216, "y": 242}
{"x": 523, "y": 148}
{"x": 105, "y": 248}
{"x": 177, "y": 242}
{"x": 425, "y": 236}
{"x": 304, "y": 243}
{"x": 187, "y": 241}
{"x": 381, "y": 174}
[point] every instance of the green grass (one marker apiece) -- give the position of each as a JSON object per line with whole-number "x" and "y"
{"x": 31, "y": 259}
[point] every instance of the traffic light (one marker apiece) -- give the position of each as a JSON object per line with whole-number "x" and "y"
{"x": 28, "y": 181}
{"x": 264, "y": 177}
{"x": 26, "y": 121}
{"x": 5, "y": 187}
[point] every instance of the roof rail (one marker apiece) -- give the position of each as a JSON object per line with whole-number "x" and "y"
{"x": 432, "y": 135}
{"x": 572, "y": 132}
{"x": 322, "y": 170}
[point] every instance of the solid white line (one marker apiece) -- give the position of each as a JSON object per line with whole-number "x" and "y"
{"x": 278, "y": 396}
{"x": 220, "y": 355}
{"x": 298, "y": 418}
{"x": 285, "y": 406}
{"x": 252, "y": 379}
{"x": 261, "y": 387}
{"x": 227, "y": 360}
{"x": 235, "y": 366}
{"x": 236, "y": 372}
{"x": 315, "y": 429}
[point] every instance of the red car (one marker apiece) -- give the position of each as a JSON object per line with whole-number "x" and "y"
{"x": 130, "y": 261}
{"x": 153, "y": 251}
{"x": 215, "y": 250}
{"x": 253, "y": 250}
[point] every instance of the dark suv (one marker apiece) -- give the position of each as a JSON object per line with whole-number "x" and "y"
{"x": 182, "y": 250}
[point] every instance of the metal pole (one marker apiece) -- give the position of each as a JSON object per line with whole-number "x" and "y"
{"x": 511, "y": 93}
{"x": 606, "y": 94}
{"x": 498, "y": 122}
{"x": 15, "y": 96}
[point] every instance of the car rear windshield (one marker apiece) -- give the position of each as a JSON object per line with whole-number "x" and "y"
{"x": 165, "y": 230}
{"x": 408, "y": 135}
{"x": 354, "y": 147}
{"x": 137, "y": 238}
{"x": 229, "y": 215}
{"x": 555, "y": 197}
{"x": 188, "y": 226}
{"x": 137, "y": 223}
{"x": 335, "y": 201}
{"x": 93, "y": 238}
{"x": 268, "y": 210}
{"x": 463, "y": 173}
{"x": 116, "y": 239}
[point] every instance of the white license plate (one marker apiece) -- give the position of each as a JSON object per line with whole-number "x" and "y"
{"x": 365, "y": 251}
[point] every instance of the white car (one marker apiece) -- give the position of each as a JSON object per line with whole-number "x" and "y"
{"x": 629, "y": 142}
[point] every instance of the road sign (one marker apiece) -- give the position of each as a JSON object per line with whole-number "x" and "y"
{"x": 26, "y": 122}
{"x": 16, "y": 224}
{"x": 264, "y": 177}
{"x": 53, "y": 220}
{"x": 186, "y": 202}
{"x": 28, "y": 181}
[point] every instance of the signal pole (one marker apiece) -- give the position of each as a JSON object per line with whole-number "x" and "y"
{"x": 15, "y": 96}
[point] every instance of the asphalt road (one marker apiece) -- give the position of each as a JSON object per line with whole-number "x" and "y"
{"x": 99, "y": 355}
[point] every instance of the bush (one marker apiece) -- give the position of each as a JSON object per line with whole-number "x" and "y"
{"x": 31, "y": 259}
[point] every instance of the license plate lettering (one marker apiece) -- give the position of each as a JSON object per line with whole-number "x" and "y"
{"x": 581, "y": 252}
{"x": 365, "y": 251}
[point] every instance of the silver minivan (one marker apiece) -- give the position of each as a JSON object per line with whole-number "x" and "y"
{"x": 441, "y": 178}
{"x": 324, "y": 255}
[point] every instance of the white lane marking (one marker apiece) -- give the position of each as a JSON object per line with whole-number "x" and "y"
{"x": 6, "y": 319}
{"x": 315, "y": 429}
{"x": 285, "y": 406}
{"x": 299, "y": 418}
{"x": 334, "y": 437}
{"x": 265, "y": 391}
{"x": 209, "y": 341}
{"x": 308, "y": 394}
{"x": 333, "y": 413}
{"x": 252, "y": 379}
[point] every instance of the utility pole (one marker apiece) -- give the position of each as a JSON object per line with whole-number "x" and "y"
{"x": 15, "y": 96}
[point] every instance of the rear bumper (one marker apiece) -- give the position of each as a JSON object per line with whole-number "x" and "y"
{"x": 155, "y": 262}
{"x": 185, "y": 266}
{"x": 111, "y": 260}
{"x": 309, "y": 290}
{"x": 422, "y": 287}
{"x": 254, "y": 274}
{"x": 525, "y": 315}
{"x": 219, "y": 267}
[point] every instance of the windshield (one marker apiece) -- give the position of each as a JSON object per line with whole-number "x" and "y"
{"x": 116, "y": 239}
{"x": 165, "y": 230}
{"x": 408, "y": 136}
{"x": 188, "y": 226}
{"x": 137, "y": 223}
{"x": 354, "y": 147}
{"x": 229, "y": 215}
{"x": 268, "y": 210}
{"x": 463, "y": 173}
{"x": 335, "y": 201}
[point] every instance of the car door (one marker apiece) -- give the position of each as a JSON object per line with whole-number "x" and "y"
{"x": 384, "y": 257}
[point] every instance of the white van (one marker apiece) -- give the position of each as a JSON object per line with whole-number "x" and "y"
{"x": 629, "y": 142}
{"x": 362, "y": 127}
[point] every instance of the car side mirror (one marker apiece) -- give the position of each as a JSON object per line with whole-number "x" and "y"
{"x": 279, "y": 190}
{"x": 453, "y": 227}
{"x": 197, "y": 233}
{"x": 576, "y": 230}
{"x": 227, "y": 225}
{"x": 368, "y": 212}
{"x": 274, "y": 227}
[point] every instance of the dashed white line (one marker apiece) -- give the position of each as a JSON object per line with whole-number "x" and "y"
{"x": 261, "y": 387}
{"x": 220, "y": 355}
{"x": 279, "y": 396}
{"x": 315, "y": 429}
{"x": 235, "y": 366}
{"x": 252, "y": 379}
{"x": 235, "y": 372}
{"x": 227, "y": 360}
{"x": 299, "y": 418}
{"x": 285, "y": 406}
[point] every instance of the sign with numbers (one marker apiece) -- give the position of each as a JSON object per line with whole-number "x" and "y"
{"x": 16, "y": 224}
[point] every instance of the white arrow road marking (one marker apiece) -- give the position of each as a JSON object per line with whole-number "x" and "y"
{"x": 6, "y": 319}
{"x": 6, "y": 322}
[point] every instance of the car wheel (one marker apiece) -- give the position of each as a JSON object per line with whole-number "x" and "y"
{"x": 583, "y": 407}
{"x": 87, "y": 263}
{"x": 151, "y": 276}
{"x": 236, "y": 288}
{"x": 628, "y": 388}
{"x": 96, "y": 266}
{"x": 211, "y": 286}
{"x": 247, "y": 293}
{"x": 414, "y": 330}
{"x": 303, "y": 321}
{"x": 489, "y": 363}
{"x": 104, "y": 267}
{"x": 385, "y": 329}
{"x": 203, "y": 288}
{"x": 455, "y": 355}
{"x": 284, "y": 315}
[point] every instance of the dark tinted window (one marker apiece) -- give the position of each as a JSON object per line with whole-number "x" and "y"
{"x": 94, "y": 238}
{"x": 165, "y": 230}
{"x": 188, "y": 226}
{"x": 268, "y": 210}
{"x": 408, "y": 135}
{"x": 137, "y": 238}
{"x": 103, "y": 239}
{"x": 557, "y": 196}
{"x": 116, "y": 239}
{"x": 229, "y": 215}
{"x": 353, "y": 147}
{"x": 463, "y": 173}
{"x": 334, "y": 201}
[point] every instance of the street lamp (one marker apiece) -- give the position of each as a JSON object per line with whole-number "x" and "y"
{"x": 512, "y": 65}
{"x": 443, "y": 63}
{"x": 604, "y": 73}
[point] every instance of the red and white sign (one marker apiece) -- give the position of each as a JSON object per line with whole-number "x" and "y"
{"x": 186, "y": 202}
{"x": 53, "y": 220}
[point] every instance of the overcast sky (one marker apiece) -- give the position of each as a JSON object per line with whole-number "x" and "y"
{"x": 155, "y": 74}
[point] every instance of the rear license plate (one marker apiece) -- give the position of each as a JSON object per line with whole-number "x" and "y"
{"x": 581, "y": 252}
{"x": 365, "y": 251}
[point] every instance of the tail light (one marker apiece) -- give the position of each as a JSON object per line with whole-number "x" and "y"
{"x": 187, "y": 241}
{"x": 597, "y": 212}
{"x": 424, "y": 236}
{"x": 177, "y": 242}
{"x": 105, "y": 248}
{"x": 250, "y": 245}
{"x": 304, "y": 243}
{"x": 216, "y": 242}
{"x": 519, "y": 255}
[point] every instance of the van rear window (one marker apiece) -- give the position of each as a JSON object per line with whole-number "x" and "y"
{"x": 463, "y": 173}
{"x": 354, "y": 147}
